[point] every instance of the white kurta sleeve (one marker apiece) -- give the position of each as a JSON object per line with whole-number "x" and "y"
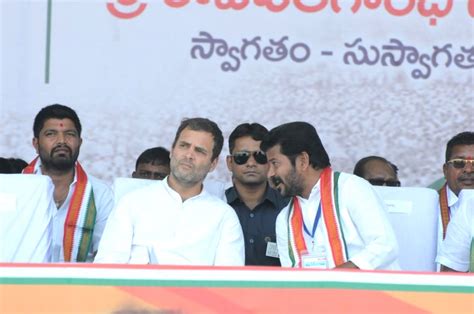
{"x": 281, "y": 229}
{"x": 379, "y": 248}
{"x": 230, "y": 248}
{"x": 104, "y": 202}
{"x": 116, "y": 243}
{"x": 455, "y": 249}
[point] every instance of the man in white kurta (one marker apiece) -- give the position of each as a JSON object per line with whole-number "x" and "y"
{"x": 458, "y": 170}
{"x": 368, "y": 234}
{"x": 83, "y": 202}
{"x": 456, "y": 251}
{"x": 175, "y": 221}
{"x": 154, "y": 225}
{"x": 334, "y": 219}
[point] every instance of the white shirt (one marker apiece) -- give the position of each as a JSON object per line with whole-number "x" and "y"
{"x": 154, "y": 225}
{"x": 369, "y": 237}
{"x": 455, "y": 249}
{"x": 453, "y": 204}
{"x": 104, "y": 203}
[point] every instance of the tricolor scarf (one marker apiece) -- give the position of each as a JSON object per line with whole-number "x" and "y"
{"x": 445, "y": 210}
{"x": 331, "y": 220}
{"x": 80, "y": 218}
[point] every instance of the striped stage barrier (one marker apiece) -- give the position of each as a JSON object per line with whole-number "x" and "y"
{"x": 73, "y": 288}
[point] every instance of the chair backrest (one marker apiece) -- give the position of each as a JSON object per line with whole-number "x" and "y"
{"x": 26, "y": 212}
{"x": 123, "y": 186}
{"x": 413, "y": 213}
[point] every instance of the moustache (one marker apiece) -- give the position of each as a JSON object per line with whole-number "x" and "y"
{"x": 466, "y": 176}
{"x": 276, "y": 180}
{"x": 61, "y": 147}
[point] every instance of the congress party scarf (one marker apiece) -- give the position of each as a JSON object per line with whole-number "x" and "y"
{"x": 80, "y": 218}
{"x": 445, "y": 211}
{"x": 330, "y": 213}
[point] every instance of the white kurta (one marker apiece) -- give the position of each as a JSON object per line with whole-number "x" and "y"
{"x": 369, "y": 237}
{"x": 455, "y": 249}
{"x": 154, "y": 225}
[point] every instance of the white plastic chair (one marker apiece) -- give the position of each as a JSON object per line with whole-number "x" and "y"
{"x": 413, "y": 213}
{"x": 26, "y": 212}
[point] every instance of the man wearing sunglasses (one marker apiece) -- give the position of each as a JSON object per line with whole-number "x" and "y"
{"x": 459, "y": 173}
{"x": 255, "y": 202}
{"x": 378, "y": 171}
{"x": 334, "y": 219}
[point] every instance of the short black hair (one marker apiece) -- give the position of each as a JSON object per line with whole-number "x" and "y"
{"x": 206, "y": 125}
{"x": 155, "y": 156}
{"x": 359, "y": 168}
{"x": 463, "y": 138}
{"x": 255, "y": 130}
{"x": 295, "y": 138}
{"x": 55, "y": 111}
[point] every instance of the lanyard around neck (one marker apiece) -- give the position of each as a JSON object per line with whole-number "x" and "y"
{"x": 315, "y": 223}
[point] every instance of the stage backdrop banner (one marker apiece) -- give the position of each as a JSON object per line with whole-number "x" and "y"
{"x": 391, "y": 78}
{"x": 168, "y": 289}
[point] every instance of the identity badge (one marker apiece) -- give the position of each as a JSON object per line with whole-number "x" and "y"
{"x": 272, "y": 250}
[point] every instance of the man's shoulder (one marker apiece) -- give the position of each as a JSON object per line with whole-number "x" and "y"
{"x": 351, "y": 180}
{"x": 98, "y": 183}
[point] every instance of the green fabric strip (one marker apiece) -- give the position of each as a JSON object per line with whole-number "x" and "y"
{"x": 87, "y": 230}
{"x": 290, "y": 235}
{"x": 235, "y": 284}
{"x": 336, "y": 204}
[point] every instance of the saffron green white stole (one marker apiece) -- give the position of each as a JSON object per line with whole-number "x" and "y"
{"x": 331, "y": 220}
{"x": 80, "y": 218}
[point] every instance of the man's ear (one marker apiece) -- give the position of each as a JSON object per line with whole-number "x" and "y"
{"x": 214, "y": 164}
{"x": 34, "y": 141}
{"x": 445, "y": 170}
{"x": 302, "y": 161}
{"x": 229, "y": 162}
{"x": 134, "y": 174}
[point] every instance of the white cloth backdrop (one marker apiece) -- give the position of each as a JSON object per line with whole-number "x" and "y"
{"x": 132, "y": 80}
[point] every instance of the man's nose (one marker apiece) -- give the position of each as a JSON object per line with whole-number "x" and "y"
{"x": 61, "y": 138}
{"x": 271, "y": 172}
{"x": 469, "y": 167}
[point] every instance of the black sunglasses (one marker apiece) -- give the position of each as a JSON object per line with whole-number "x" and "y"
{"x": 241, "y": 158}
{"x": 381, "y": 182}
{"x": 460, "y": 163}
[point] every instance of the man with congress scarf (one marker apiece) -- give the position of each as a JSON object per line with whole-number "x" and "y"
{"x": 334, "y": 220}
{"x": 83, "y": 202}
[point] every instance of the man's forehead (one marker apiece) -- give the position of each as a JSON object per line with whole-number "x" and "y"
{"x": 275, "y": 152}
{"x": 61, "y": 123}
{"x": 198, "y": 138}
{"x": 462, "y": 151}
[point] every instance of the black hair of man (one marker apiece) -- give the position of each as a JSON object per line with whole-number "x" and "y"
{"x": 55, "y": 111}
{"x": 359, "y": 168}
{"x": 206, "y": 125}
{"x": 12, "y": 165}
{"x": 255, "y": 130}
{"x": 463, "y": 138}
{"x": 158, "y": 156}
{"x": 295, "y": 138}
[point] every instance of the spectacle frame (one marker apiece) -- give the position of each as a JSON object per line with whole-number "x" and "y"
{"x": 241, "y": 158}
{"x": 460, "y": 163}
